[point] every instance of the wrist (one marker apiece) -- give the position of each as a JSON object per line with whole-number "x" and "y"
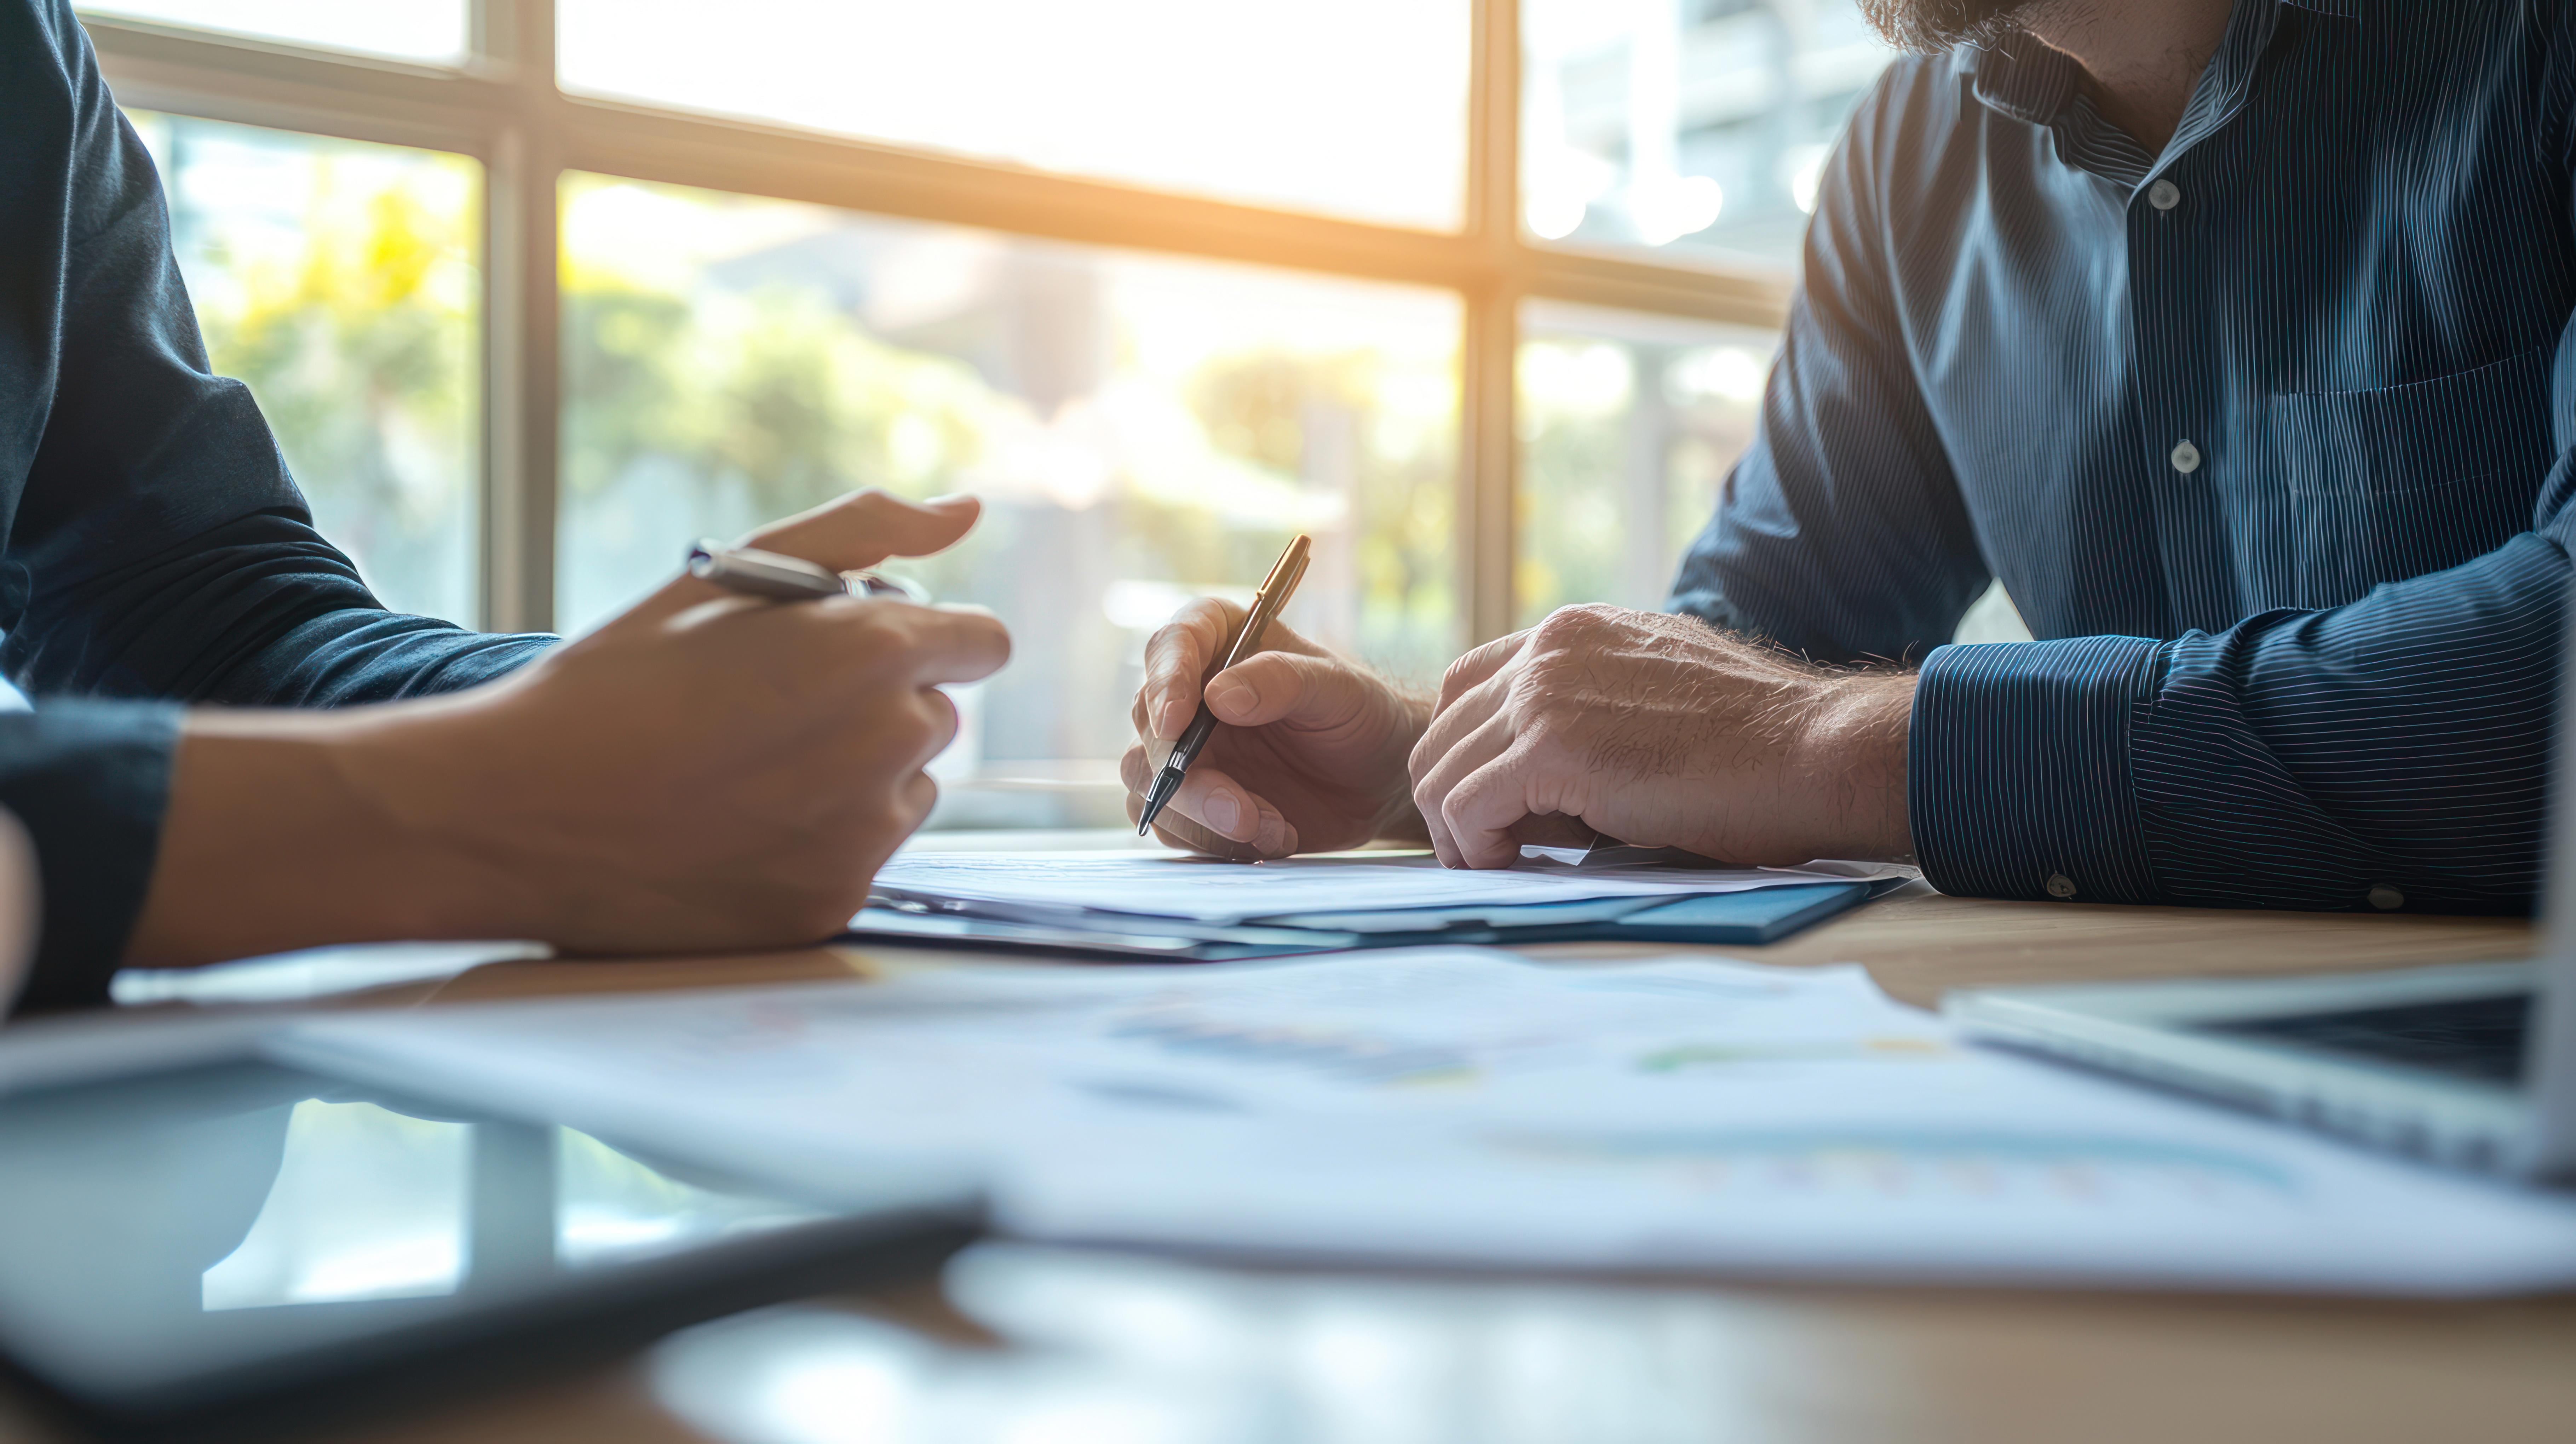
{"x": 289, "y": 829}
{"x": 1851, "y": 756}
{"x": 1400, "y": 820}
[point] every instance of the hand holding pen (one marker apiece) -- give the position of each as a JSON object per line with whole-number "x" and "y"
{"x": 1275, "y": 590}
{"x": 1305, "y": 749}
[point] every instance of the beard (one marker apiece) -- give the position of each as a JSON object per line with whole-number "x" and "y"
{"x": 1929, "y": 27}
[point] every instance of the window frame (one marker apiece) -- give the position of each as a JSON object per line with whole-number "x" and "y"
{"x": 502, "y": 107}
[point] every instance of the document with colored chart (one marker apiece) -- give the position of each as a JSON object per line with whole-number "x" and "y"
{"x": 1463, "y": 1107}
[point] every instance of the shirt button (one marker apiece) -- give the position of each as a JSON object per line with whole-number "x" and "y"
{"x": 2186, "y": 457}
{"x": 2060, "y": 885}
{"x": 2386, "y": 898}
{"x": 2164, "y": 195}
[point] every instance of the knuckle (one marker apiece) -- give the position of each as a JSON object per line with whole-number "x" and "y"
{"x": 1572, "y": 623}
{"x": 1427, "y": 797}
{"x": 1171, "y": 646}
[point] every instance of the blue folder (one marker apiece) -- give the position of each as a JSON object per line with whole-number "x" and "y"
{"x": 1738, "y": 919}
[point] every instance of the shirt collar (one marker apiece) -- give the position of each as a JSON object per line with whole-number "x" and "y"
{"x": 2021, "y": 77}
{"x": 2030, "y": 82}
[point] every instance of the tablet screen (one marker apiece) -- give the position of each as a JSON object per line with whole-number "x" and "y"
{"x": 207, "y": 1236}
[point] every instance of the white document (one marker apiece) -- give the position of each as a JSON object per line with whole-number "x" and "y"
{"x": 1208, "y": 890}
{"x": 1461, "y": 1106}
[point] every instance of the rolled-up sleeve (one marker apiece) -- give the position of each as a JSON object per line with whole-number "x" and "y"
{"x": 89, "y": 780}
{"x": 156, "y": 550}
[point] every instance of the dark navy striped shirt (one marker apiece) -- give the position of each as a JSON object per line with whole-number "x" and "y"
{"x": 2268, "y": 437}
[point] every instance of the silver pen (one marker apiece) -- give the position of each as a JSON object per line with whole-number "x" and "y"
{"x": 791, "y": 579}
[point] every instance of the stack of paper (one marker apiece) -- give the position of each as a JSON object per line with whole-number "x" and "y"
{"x": 1209, "y": 890}
{"x": 1456, "y": 1106}
{"x": 1209, "y": 909}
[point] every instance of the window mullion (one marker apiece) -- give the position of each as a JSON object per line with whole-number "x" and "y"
{"x": 1488, "y": 449}
{"x": 514, "y": 41}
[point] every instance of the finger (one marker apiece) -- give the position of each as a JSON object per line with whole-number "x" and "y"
{"x": 941, "y": 712}
{"x": 1303, "y": 691}
{"x": 1457, "y": 720}
{"x": 1433, "y": 784}
{"x": 1187, "y": 836}
{"x": 1177, "y": 656}
{"x": 1553, "y": 829}
{"x": 1472, "y": 670}
{"x": 1484, "y": 805}
{"x": 866, "y": 527}
{"x": 1273, "y": 837}
{"x": 913, "y": 801}
{"x": 1210, "y": 797}
{"x": 1178, "y": 659}
{"x": 859, "y": 530}
{"x": 943, "y": 644}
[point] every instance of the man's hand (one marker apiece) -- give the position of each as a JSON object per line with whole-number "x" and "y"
{"x": 1311, "y": 756}
{"x": 1661, "y": 731}
{"x": 709, "y": 770}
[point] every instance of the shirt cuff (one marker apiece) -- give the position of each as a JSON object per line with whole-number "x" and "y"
{"x": 2017, "y": 769}
{"x": 90, "y": 781}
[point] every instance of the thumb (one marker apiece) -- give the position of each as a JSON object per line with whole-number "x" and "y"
{"x": 1290, "y": 687}
{"x": 859, "y": 530}
{"x": 865, "y": 527}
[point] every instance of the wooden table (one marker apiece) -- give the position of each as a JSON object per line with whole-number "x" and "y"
{"x": 1026, "y": 1343}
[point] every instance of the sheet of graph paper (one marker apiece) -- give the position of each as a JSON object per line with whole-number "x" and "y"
{"x": 1212, "y": 891}
{"x": 1465, "y": 1107}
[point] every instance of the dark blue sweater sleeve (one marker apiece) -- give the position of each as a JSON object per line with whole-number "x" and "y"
{"x": 157, "y": 551}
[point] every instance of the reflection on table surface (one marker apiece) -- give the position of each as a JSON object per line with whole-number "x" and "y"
{"x": 179, "y": 1226}
{"x": 1048, "y": 1344}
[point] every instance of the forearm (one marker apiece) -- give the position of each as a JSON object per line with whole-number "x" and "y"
{"x": 287, "y": 830}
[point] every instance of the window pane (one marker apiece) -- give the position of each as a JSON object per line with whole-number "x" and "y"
{"x": 1699, "y": 125}
{"x": 1629, "y": 425}
{"x": 339, "y": 280}
{"x": 432, "y": 30}
{"x": 1141, "y": 429}
{"x": 1350, "y": 107}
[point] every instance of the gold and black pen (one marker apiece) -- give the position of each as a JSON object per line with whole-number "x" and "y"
{"x": 1276, "y": 588}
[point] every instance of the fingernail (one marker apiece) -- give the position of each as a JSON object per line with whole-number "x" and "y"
{"x": 1229, "y": 694}
{"x": 1272, "y": 839}
{"x": 1222, "y": 812}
